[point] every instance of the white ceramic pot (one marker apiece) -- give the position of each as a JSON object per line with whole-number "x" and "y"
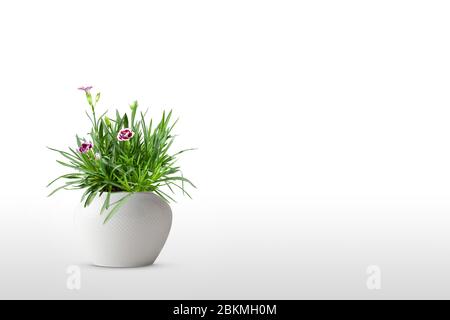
{"x": 134, "y": 236}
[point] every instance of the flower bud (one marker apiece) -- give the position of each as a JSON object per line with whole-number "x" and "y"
{"x": 89, "y": 99}
{"x": 134, "y": 106}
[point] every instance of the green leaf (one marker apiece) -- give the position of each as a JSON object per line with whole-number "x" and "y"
{"x": 119, "y": 204}
{"x": 90, "y": 198}
{"x": 61, "y": 187}
{"x": 125, "y": 121}
{"x": 106, "y": 203}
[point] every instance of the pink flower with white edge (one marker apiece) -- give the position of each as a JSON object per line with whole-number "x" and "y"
{"x": 85, "y": 147}
{"x": 125, "y": 134}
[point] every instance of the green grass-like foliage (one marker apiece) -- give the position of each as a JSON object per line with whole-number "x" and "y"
{"x": 141, "y": 164}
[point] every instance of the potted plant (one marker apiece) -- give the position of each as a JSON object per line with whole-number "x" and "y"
{"x": 128, "y": 174}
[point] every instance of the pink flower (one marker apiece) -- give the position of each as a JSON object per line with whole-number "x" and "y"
{"x": 85, "y": 147}
{"x": 86, "y": 89}
{"x": 125, "y": 134}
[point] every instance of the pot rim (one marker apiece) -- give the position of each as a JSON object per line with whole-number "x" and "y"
{"x": 124, "y": 193}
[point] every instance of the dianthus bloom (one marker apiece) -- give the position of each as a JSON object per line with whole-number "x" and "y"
{"x": 85, "y": 89}
{"x": 85, "y": 147}
{"x": 125, "y": 134}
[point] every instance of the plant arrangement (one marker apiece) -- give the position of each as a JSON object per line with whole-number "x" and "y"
{"x": 122, "y": 154}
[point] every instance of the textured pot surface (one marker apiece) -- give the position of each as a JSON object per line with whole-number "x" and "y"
{"x": 133, "y": 237}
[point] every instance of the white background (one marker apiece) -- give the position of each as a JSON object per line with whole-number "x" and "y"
{"x": 323, "y": 136}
